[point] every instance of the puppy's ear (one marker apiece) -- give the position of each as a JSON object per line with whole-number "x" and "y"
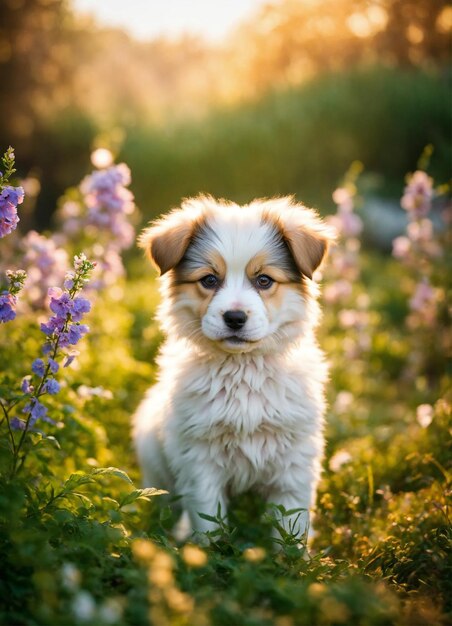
{"x": 308, "y": 246}
{"x": 306, "y": 235}
{"x": 167, "y": 239}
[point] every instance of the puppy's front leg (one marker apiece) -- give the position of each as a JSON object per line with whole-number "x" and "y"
{"x": 204, "y": 494}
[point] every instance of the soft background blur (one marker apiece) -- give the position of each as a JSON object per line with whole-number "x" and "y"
{"x": 238, "y": 99}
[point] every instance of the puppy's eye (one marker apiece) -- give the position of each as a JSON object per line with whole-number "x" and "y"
{"x": 264, "y": 282}
{"x": 210, "y": 281}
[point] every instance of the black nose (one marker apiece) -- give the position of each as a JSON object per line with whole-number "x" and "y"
{"x": 235, "y": 319}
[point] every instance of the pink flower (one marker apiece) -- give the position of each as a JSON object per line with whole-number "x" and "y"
{"x": 343, "y": 198}
{"x": 423, "y": 297}
{"x": 422, "y": 230}
{"x": 46, "y": 265}
{"x": 348, "y": 318}
{"x": 417, "y": 197}
{"x": 345, "y": 221}
{"x": 401, "y": 246}
{"x": 337, "y": 291}
{"x": 344, "y": 401}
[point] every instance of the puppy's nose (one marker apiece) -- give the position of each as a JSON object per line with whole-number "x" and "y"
{"x": 235, "y": 319}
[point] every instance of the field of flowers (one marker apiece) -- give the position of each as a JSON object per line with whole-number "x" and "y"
{"x": 82, "y": 543}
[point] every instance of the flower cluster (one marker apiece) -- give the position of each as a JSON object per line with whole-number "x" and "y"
{"x": 346, "y": 222}
{"x": 419, "y": 242}
{"x": 419, "y": 247}
{"x": 10, "y": 197}
{"x": 102, "y": 217}
{"x": 62, "y": 330}
{"x": 344, "y": 258}
{"x": 65, "y": 326}
{"x": 8, "y": 298}
{"x": 344, "y": 268}
{"x": 109, "y": 202}
{"x": 46, "y": 264}
{"x": 418, "y": 194}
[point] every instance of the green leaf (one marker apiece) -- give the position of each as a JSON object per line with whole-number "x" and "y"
{"x": 110, "y": 502}
{"x": 112, "y": 471}
{"x": 141, "y": 494}
{"x": 77, "y": 479}
{"x": 48, "y": 439}
{"x": 82, "y": 497}
{"x": 209, "y": 518}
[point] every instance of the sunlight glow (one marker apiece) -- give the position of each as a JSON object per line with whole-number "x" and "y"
{"x": 444, "y": 21}
{"x": 367, "y": 23}
{"x": 101, "y": 158}
{"x": 147, "y": 19}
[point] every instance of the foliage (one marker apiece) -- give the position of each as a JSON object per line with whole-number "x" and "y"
{"x": 298, "y": 141}
{"x": 80, "y": 544}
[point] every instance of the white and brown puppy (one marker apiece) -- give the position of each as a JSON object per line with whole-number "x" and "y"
{"x": 239, "y": 401}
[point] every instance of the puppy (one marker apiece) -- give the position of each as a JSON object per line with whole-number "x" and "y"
{"x": 239, "y": 401}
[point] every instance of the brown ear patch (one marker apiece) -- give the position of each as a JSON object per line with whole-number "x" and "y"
{"x": 306, "y": 235}
{"x": 308, "y": 249}
{"x": 166, "y": 241}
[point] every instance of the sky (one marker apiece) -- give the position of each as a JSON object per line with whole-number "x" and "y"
{"x": 147, "y": 19}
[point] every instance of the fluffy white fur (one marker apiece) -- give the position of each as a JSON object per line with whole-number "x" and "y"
{"x": 228, "y": 415}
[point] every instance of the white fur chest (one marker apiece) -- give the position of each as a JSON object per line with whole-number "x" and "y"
{"x": 248, "y": 414}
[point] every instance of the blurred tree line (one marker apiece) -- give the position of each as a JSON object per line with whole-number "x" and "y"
{"x": 65, "y": 81}
{"x": 291, "y": 40}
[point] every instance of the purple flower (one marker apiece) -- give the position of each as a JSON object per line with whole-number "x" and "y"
{"x": 76, "y": 332}
{"x": 80, "y": 307}
{"x": 54, "y": 367}
{"x": 26, "y": 386}
{"x": 38, "y": 367}
{"x": 62, "y": 306}
{"x": 17, "y": 424}
{"x": 10, "y": 197}
{"x": 7, "y": 307}
{"x": 64, "y": 329}
{"x": 37, "y": 410}
{"x": 47, "y": 347}
{"x": 52, "y": 386}
{"x": 13, "y": 195}
{"x": 55, "y": 324}
{"x": 108, "y": 203}
{"x": 71, "y": 356}
{"x": 46, "y": 265}
{"x": 69, "y": 282}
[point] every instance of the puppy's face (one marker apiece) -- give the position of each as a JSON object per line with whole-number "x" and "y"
{"x": 236, "y": 277}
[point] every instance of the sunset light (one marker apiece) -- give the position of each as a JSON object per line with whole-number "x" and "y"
{"x": 146, "y": 19}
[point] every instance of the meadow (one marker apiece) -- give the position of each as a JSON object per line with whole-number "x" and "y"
{"x": 82, "y": 543}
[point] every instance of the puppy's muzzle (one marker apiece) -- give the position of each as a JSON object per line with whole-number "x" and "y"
{"x": 235, "y": 319}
